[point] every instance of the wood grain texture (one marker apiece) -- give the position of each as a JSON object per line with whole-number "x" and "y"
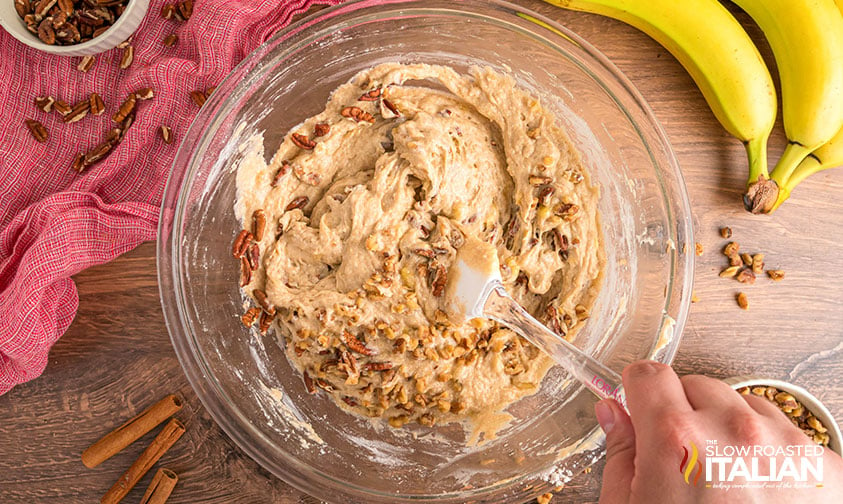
{"x": 116, "y": 358}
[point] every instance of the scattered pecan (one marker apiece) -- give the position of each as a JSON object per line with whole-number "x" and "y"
{"x": 198, "y": 97}
{"x": 370, "y": 95}
{"x": 45, "y": 103}
{"x": 428, "y": 253}
{"x": 302, "y": 142}
{"x": 265, "y": 322}
{"x": 61, "y": 107}
{"x": 726, "y": 232}
{"x": 285, "y": 167}
{"x": 321, "y": 129}
{"x": 758, "y": 264}
{"x": 77, "y": 112}
{"x": 166, "y": 134}
{"x": 250, "y": 316}
{"x": 378, "y": 366}
{"x": 357, "y": 114}
{"x": 308, "y": 383}
{"x": 776, "y": 275}
{"x": 552, "y": 320}
{"x": 168, "y": 11}
{"x": 263, "y": 301}
{"x": 126, "y": 108}
{"x": 743, "y": 302}
{"x": 185, "y": 8}
{"x": 391, "y": 108}
{"x": 746, "y": 276}
{"x": 145, "y": 93}
{"x": 730, "y": 272}
{"x": 539, "y": 180}
{"x": 78, "y": 163}
{"x": 511, "y": 228}
{"x": 299, "y": 202}
{"x": 39, "y": 132}
{"x": 127, "y": 57}
{"x": 354, "y": 344}
{"x": 241, "y": 244}
{"x": 438, "y": 280}
{"x": 254, "y": 256}
{"x": 96, "y": 104}
{"x": 698, "y": 248}
{"x": 97, "y": 154}
{"x": 258, "y": 224}
{"x": 245, "y": 272}
{"x": 170, "y": 40}
{"x": 86, "y": 64}
{"x": 731, "y": 249}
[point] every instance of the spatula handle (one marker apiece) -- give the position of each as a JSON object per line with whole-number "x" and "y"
{"x": 601, "y": 380}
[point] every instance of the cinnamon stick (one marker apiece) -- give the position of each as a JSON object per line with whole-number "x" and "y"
{"x": 162, "y": 442}
{"x": 161, "y": 487}
{"x": 131, "y": 431}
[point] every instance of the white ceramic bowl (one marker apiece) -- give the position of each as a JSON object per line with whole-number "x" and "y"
{"x": 125, "y": 25}
{"x": 811, "y": 403}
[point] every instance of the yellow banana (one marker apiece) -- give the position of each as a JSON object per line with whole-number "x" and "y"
{"x": 719, "y": 55}
{"x": 807, "y": 41}
{"x": 830, "y": 155}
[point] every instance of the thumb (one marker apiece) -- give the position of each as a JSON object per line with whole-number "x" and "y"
{"x": 620, "y": 452}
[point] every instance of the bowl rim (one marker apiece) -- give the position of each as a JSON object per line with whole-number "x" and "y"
{"x": 809, "y": 400}
{"x": 135, "y": 12}
{"x": 168, "y": 249}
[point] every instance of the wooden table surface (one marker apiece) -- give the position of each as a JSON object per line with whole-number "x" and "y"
{"x": 116, "y": 357}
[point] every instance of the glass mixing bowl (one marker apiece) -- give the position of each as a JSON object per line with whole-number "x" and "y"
{"x": 245, "y": 380}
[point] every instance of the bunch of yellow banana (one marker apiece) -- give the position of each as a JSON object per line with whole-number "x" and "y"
{"x": 806, "y": 37}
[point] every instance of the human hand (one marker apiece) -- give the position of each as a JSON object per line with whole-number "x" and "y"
{"x": 644, "y": 450}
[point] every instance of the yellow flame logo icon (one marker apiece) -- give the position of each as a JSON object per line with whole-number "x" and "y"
{"x": 689, "y": 462}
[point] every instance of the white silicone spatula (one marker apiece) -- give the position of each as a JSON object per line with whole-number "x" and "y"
{"x": 475, "y": 290}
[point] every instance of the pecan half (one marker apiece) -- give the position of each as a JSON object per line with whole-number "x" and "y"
{"x": 86, "y": 64}
{"x": 145, "y": 93}
{"x": 265, "y": 322}
{"x": 378, "y": 366}
{"x": 299, "y": 202}
{"x": 302, "y": 142}
{"x": 185, "y": 8}
{"x": 170, "y": 40}
{"x": 389, "y": 106}
{"x": 78, "y": 111}
{"x": 198, "y": 97}
{"x": 78, "y": 163}
{"x": 39, "y": 132}
{"x": 245, "y": 272}
{"x": 166, "y": 134}
{"x": 254, "y": 256}
{"x": 357, "y": 114}
{"x": 46, "y": 32}
{"x": 354, "y": 344}
{"x": 98, "y": 153}
{"x": 321, "y": 129}
{"x": 439, "y": 280}
{"x": 250, "y": 316}
{"x": 126, "y": 109}
{"x": 61, "y": 107}
{"x": 127, "y": 57}
{"x": 96, "y": 104}
{"x": 263, "y": 301}
{"x": 258, "y": 224}
{"x": 241, "y": 243}
{"x": 370, "y": 95}
{"x": 44, "y": 103}
{"x": 308, "y": 383}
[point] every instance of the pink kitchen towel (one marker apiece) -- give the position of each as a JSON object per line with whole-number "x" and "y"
{"x": 55, "y": 222}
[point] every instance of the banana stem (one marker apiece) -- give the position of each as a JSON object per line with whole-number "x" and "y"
{"x": 794, "y": 153}
{"x": 756, "y": 153}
